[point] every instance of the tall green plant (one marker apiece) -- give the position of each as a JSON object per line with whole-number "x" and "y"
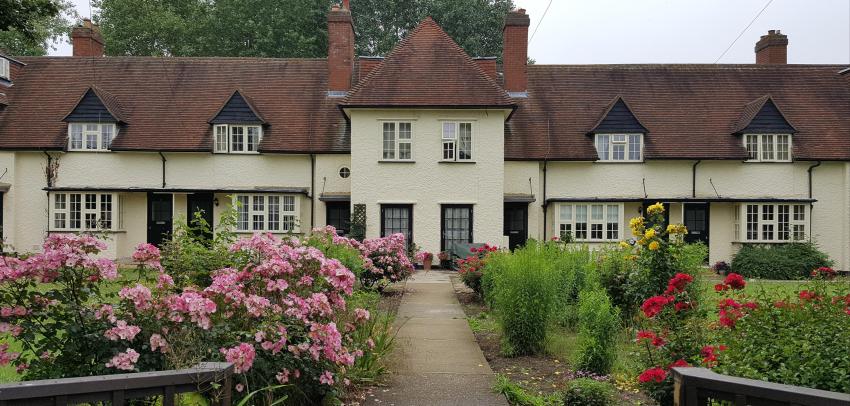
{"x": 599, "y": 323}
{"x": 190, "y": 255}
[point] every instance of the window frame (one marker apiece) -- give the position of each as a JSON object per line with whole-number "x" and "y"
{"x": 100, "y": 144}
{"x": 455, "y": 141}
{"x": 627, "y": 147}
{"x": 218, "y": 143}
{"x": 602, "y": 225}
{"x": 5, "y": 69}
{"x": 761, "y": 222}
{"x": 396, "y": 141}
{"x": 99, "y": 212}
{"x": 761, "y": 151}
{"x": 288, "y": 221}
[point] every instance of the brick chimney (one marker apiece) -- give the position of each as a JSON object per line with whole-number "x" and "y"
{"x": 86, "y": 39}
{"x": 340, "y": 49}
{"x": 772, "y": 49}
{"x": 515, "y": 51}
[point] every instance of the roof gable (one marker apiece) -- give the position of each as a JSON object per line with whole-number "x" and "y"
{"x": 762, "y": 115}
{"x": 95, "y": 106}
{"x": 237, "y": 110}
{"x": 427, "y": 68}
{"x": 618, "y": 117}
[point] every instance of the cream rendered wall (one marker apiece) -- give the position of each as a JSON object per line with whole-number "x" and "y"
{"x": 329, "y": 181}
{"x": 427, "y": 183}
{"x": 524, "y": 177}
{"x": 752, "y": 180}
{"x": 592, "y": 179}
{"x": 25, "y": 205}
{"x": 829, "y": 214}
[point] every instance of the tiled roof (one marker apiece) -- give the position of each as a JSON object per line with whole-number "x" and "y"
{"x": 167, "y": 102}
{"x": 427, "y": 68}
{"x": 689, "y": 111}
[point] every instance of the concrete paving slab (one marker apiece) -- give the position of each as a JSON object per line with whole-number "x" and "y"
{"x": 437, "y": 389}
{"x": 435, "y": 329}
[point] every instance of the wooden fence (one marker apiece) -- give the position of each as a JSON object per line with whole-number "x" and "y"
{"x": 702, "y": 387}
{"x": 211, "y": 378}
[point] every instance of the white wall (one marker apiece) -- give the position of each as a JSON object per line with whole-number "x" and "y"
{"x": 517, "y": 175}
{"x": 329, "y": 181}
{"x": 427, "y": 183}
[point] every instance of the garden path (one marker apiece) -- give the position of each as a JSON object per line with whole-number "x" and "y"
{"x": 436, "y": 360}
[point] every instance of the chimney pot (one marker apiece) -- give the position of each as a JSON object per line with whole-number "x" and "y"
{"x": 86, "y": 39}
{"x": 772, "y": 49}
{"x": 515, "y": 51}
{"x": 346, "y": 4}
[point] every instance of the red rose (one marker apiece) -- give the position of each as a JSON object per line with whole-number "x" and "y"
{"x": 654, "y": 305}
{"x": 679, "y": 363}
{"x": 720, "y": 287}
{"x": 807, "y": 295}
{"x": 682, "y": 306}
{"x": 678, "y": 283}
{"x": 735, "y": 281}
{"x": 645, "y": 335}
{"x": 652, "y": 375}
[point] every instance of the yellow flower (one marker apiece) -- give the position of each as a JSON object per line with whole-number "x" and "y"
{"x": 677, "y": 229}
{"x": 624, "y": 245}
{"x": 637, "y": 226}
{"x": 656, "y": 208}
{"x": 649, "y": 233}
{"x": 654, "y": 246}
{"x": 641, "y": 242}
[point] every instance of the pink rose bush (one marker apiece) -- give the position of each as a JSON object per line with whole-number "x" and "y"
{"x": 389, "y": 260}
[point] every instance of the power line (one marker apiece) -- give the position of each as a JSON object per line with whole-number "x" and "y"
{"x": 541, "y": 21}
{"x": 743, "y": 31}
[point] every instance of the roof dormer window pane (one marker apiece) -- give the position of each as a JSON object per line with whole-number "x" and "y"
{"x": 768, "y": 147}
{"x": 90, "y": 136}
{"x": 619, "y": 147}
{"x": 237, "y": 139}
{"x": 4, "y": 69}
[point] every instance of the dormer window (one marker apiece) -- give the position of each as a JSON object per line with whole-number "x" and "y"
{"x": 4, "y": 69}
{"x": 768, "y": 147}
{"x": 237, "y": 139}
{"x": 619, "y": 147}
{"x": 90, "y": 136}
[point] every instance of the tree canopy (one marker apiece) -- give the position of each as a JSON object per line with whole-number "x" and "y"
{"x": 31, "y": 26}
{"x": 287, "y": 28}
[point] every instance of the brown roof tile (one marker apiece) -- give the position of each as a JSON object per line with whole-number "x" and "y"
{"x": 427, "y": 68}
{"x": 166, "y": 102}
{"x": 689, "y": 111}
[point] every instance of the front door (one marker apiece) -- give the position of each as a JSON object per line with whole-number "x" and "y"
{"x": 696, "y": 220}
{"x": 338, "y": 214}
{"x": 397, "y": 218}
{"x": 200, "y": 203}
{"x": 456, "y": 225}
{"x": 160, "y": 213}
{"x": 516, "y": 224}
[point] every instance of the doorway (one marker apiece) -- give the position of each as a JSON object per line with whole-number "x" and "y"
{"x": 338, "y": 215}
{"x": 397, "y": 218}
{"x": 696, "y": 220}
{"x": 160, "y": 217}
{"x": 201, "y": 203}
{"x": 516, "y": 224}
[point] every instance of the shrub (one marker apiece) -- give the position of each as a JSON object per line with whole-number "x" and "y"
{"x": 191, "y": 256}
{"x": 388, "y": 261}
{"x": 572, "y": 271}
{"x": 471, "y": 269}
{"x": 598, "y": 332}
{"x": 518, "y": 396}
{"x": 334, "y": 246}
{"x": 523, "y": 295}
{"x": 721, "y": 267}
{"x": 588, "y": 392}
{"x": 785, "y": 261}
{"x": 800, "y": 341}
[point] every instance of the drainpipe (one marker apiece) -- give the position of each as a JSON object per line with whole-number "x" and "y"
{"x": 47, "y": 193}
{"x": 694, "y": 178}
{"x": 163, "y": 168}
{"x": 811, "y": 205}
{"x": 545, "y": 203}
{"x": 312, "y": 190}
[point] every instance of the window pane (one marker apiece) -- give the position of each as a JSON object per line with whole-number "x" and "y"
{"x": 752, "y": 221}
{"x": 76, "y": 136}
{"x": 448, "y": 150}
{"x": 799, "y": 232}
{"x": 784, "y": 222}
{"x": 106, "y": 211}
{"x": 602, "y": 147}
{"x": 465, "y": 141}
{"x": 242, "y": 213}
{"x": 619, "y": 138}
{"x": 76, "y": 210}
{"x": 449, "y": 131}
{"x": 618, "y": 152}
{"x": 253, "y": 143}
{"x": 389, "y": 140}
{"x": 581, "y": 222}
{"x": 237, "y": 139}
{"x": 404, "y": 150}
{"x": 612, "y": 215}
{"x": 106, "y": 136}
{"x": 274, "y": 213}
{"x": 59, "y": 201}
{"x": 289, "y": 204}
{"x": 596, "y": 212}
{"x": 634, "y": 147}
{"x": 565, "y": 231}
{"x": 799, "y": 212}
{"x": 92, "y": 132}
{"x": 456, "y": 226}
{"x": 404, "y": 132}
{"x": 767, "y": 147}
{"x": 258, "y": 213}
{"x": 566, "y": 212}
{"x": 221, "y": 138}
{"x": 767, "y": 212}
{"x": 783, "y": 148}
{"x": 91, "y": 201}
{"x": 752, "y": 147}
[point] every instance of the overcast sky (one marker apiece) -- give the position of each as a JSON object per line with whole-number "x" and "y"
{"x": 673, "y": 31}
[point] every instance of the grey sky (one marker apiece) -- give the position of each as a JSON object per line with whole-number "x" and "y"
{"x": 673, "y": 31}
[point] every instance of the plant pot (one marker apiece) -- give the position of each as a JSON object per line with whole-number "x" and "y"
{"x": 426, "y": 265}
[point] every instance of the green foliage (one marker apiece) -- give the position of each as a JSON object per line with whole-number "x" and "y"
{"x": 599, "y": 324}
{"x": 517, "y": 396}
{"x": 572, "y": 271}
{"x": 588, "y": 392}
{"x": 785, "y": 261}
{"x": 801, "y": 342}
{"x": 616, "y": 267}
{"x": 348, "y": 255}
{"x": 379, "y": 328}
{"x": 34, "y": 25}
{"x": 476, "y": 25}
{"x": 190, "y": 256}
{"x": 358, "y": 222}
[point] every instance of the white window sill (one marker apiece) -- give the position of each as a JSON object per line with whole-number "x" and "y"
{"x": 87, "y": 231}
{"x": 599, "y": 161}
{"x": 757, "y": 161}
{"x": 771, "y": 242}
{"x": 99, "y": 151}
{"x": 462, "y": 161}
{"x": 396, "y": 161}
{"x": 237, "y": 153}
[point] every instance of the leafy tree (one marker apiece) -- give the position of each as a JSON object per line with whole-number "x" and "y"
{"x": 287, "y": 28}
{"x": 38, "y": 24}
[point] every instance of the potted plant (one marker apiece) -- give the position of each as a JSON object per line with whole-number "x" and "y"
{"x": 425, "y": 258}
{"x": 443, "y": 256}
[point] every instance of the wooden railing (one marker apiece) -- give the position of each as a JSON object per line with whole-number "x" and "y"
{"x": 702, "y": 387}
{"x": 213, "y": 379}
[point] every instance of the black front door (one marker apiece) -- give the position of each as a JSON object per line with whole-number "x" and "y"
{"x": 397, "y": 218}
{"x": 338, "y": 214}
{"x": 160, "y": 213}
{"x": 200, "y": 204}
{"x": 456, "y": 225}
{"x": 516, "y": 224}
{"x": 696, "y": 220}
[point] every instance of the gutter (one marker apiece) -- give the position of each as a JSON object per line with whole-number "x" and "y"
{"x": 694, "y": 178}
{"x": 163, "y": 168}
